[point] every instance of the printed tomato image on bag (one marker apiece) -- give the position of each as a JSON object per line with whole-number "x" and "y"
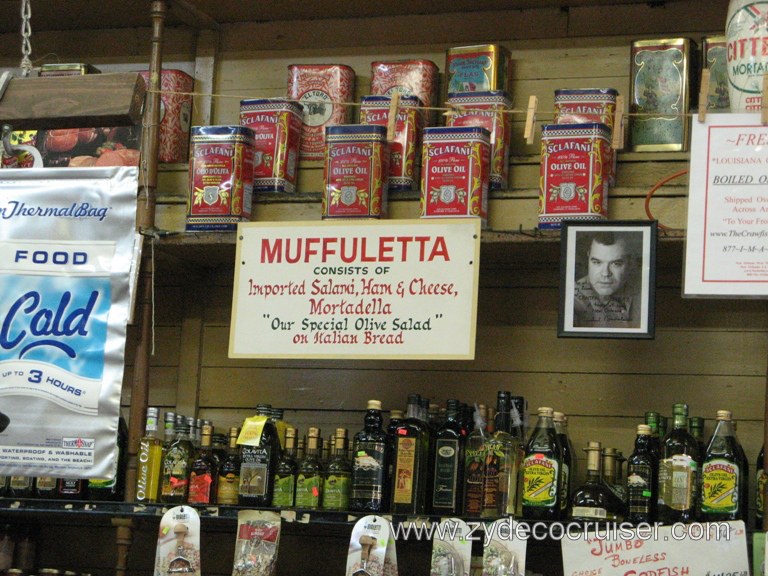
{"x": 78, "y": 147}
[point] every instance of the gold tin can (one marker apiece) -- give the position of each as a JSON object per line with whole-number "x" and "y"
{"x": 477, "y": 68}
{"x": 715, "y": 59}
{"x": 660, "y": 83}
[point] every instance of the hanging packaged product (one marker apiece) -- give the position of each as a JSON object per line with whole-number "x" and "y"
{"x": 660, "y": 77}
{"x": 404, "y": 158}
{"x": 489, "y": 110}
{"x": 418, "y": 78}
{"x": 356, "y": 169}
{"x": 323, "y": 91}
{"x": 503, "y": 553}
{"x": 220, "y": 177}
{"x": 573, "y": 183}
{"x": 451, "y": 548}
{"x": 477, "y": 68}
{"x": 258, "y": 536}
{"x": 175, "y": 114}
{"x": 588, "y": 106}
{"x": 371, "y": 548}
{"x": 455, "y": 170}
{"x": 178, "y": 542}
{"x": 276, "y": 126}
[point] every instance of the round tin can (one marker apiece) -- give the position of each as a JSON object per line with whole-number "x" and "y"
{"x": 455, "y": 169}
{"x": 276, "y": 125}
{"x": 356, "y": 171}
{"x": 404, "y": 156}
{"x": 746, "y": 41}
{"x": 488, "y": 110}
{"x": 220, "y": 177}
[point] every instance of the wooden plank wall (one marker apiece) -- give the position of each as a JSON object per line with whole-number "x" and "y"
{"x": 710, "y": 353}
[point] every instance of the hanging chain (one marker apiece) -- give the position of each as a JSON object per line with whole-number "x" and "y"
{"x": 26, "y": 34}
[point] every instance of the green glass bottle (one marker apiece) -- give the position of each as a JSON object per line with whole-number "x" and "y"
{"x": 411, "y": 455}
{"x": 448, "y": 457}
{"x": 696, "y": 428}
{"x": 337, "y": 481}
{"x": 652, "y": 421}
{"x": 113, "y": 488}
{"x": 594, "y": 501}
{"x": 228, "y": 484}
{"x": 176, "y": 461}
{"x": 678, "y": 471}
{"x": 370, "y": 470}
{"x": 285, "y": 473}
{"x": 309, "y": 478}
{"x": 743, "y": 477}
{"x": 642, "y": 479}
{"x": 721, "y": 474}
{"x": 761, "y": 479}
{"x": 541, "y": 474}
{"x": 569, "y": 458}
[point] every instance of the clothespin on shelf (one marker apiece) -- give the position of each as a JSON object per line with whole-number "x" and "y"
{"x": 530, "y": 119}
{"x": 704, "y": 95}
{"x": 764, "y": 101}
{"x": 617, "y": 139}
{"x": 394, "y": 104}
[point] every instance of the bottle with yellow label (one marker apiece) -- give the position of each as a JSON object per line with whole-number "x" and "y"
{"x": 678, "y": 471}
{"x": 229, "y": 472}
{"x": 721, "y": 471}
{"x": 541, "y": 471}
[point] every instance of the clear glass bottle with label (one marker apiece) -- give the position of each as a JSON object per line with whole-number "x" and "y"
{"x": 370, "y": 467}
{"x": 150, "y": 460}
{"x": 541, "y": 475}
{"x": 176, "y": 460}
{"x": 203, "y": 473}
{"x": 678, "y": 471}
{"x": 721, "y": 471}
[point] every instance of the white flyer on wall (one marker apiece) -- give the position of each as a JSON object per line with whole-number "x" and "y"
{"x": 727, "y": 234}
{"x": 66, "y": 246}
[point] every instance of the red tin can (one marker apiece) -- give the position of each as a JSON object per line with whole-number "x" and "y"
{"x": 418, "y": 78}
{"x": 404, "y": 158}
{"x": 489, "y": 110}
{"x": 322, "y": 90}
{"x": 355, "y": 172}
{"x": 175, "y": 114}
{"x": 455, "y": 168}
{"x": 220, "y": 177}
{"x": 573, "y": 185}
{"x": 276, "y": 126}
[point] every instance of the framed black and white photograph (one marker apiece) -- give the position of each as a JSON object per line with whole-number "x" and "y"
{"x": 607, "y": 279}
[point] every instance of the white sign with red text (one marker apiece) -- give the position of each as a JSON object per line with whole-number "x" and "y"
{"x": 676, "y": 550}
{"x": 727, "y": 233}
{"x": 371, "y": 289}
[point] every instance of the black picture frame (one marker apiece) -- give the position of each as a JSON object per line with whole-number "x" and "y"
{"x": 607, "y": 279}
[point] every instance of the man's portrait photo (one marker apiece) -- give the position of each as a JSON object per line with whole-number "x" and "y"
{"x": 607, "y": 272}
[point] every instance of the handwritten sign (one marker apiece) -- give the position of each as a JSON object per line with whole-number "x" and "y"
{"x": 677, "y": 550}
{"x": 370, "y": 289}
{"x": 727, "y": 237}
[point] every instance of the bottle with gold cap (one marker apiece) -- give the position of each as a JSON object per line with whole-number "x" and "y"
{"x": 541, "y": 474}
{"x": 370, "y": 467}
{"x": 337, "y": 480}
{"x": 410, "y": 452}
{"x": 285, "y": 472}
{"x": 594, "y": 500}
{"x": 229, "y": 472}
{"x": 721, "y": 481}
{"x": 309, "y": 477}
{"x": 203, "y": 474}
{"x": 642, "y": 479}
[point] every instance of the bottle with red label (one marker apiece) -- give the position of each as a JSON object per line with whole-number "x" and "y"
{"x": 410, "y": 453}
{"x": 203, "y": 474}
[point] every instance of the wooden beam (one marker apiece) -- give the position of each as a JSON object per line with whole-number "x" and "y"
{"x": 91, "y": 100}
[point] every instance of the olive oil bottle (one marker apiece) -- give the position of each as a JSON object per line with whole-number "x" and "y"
{"x": 176, "y": 462}
{"x": 257, "y": 462}
{"x": 229, "y": 472}
{"x": 285, "y": 473}
{"x": 642, "y": 478}
{"x": 337, "y": 480}
{"x": 150, "y": 460}
{"x": 541, "y": 475}
{"x": 411, "y": 454}
{"x": 721, "y": 474}
{"x": 678, "y": 471}
{"x": 309, "y": 478}
{"x": 448, "y": 466}
{"x": 370, "y": 466}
